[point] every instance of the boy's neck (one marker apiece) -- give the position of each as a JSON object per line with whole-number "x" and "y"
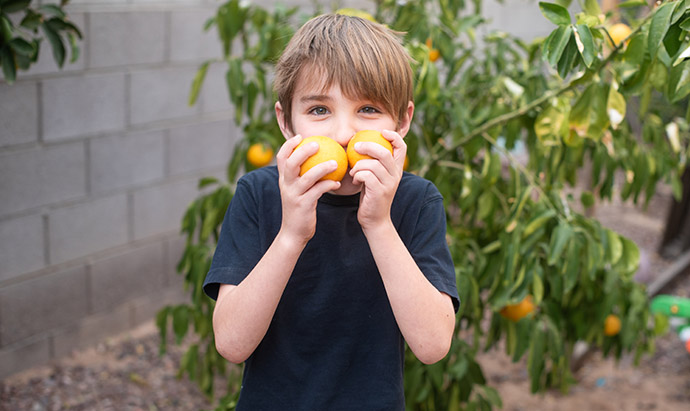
{"x": 347, "y": 187}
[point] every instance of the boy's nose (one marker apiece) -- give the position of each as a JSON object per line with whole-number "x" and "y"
{"x": 344, "y": 134}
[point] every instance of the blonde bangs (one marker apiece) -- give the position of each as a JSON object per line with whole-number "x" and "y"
{"x": 366, "y": 60}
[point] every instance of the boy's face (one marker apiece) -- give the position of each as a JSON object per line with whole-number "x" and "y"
{"x": 330, "y": 113}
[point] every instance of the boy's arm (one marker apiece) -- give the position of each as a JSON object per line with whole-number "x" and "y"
{"x": 243, "y": 313}
{"x": 425, "y": 315}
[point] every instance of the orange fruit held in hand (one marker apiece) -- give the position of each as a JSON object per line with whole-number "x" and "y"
{"x": 329, "y": 149}
{"x": 259, "y": 154}
{"x": 515, "y": 312}
{"x": 619, "y": 32}
{"x": 612, "y": 325}
{"x": 366, "y": 135}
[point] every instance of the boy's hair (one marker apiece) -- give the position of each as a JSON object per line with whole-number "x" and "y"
{"x": 365, "y": 59}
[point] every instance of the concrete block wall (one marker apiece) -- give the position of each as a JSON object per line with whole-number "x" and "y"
{"x": 98, "y": 163}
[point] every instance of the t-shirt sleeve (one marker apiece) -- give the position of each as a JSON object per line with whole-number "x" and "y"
{"x": 429, "y": 248}
{"x": 239, "y": 245}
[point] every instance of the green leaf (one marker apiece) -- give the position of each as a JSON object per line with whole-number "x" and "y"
{"x": 162, "y": 324}
{"x": 6, "y": 28}
{"x": 585, "y": 44}
{"x": 31, "y": 20}
{"x": 631, "y": 256}
{"x": 56, "y": 43}
{"x": 13, "y": 6}
{"x": 632, "y": 3}
{"x": 557, "y": 44}
{"x": 587, "y": 199}
{"x": 180, "y": 316}
{"x": 679, "y": 82}
{"x": 74, "y": 47}
{"x": 589, "y": 117}
{"x": 8, "y": 66}
{"x": 572, "y": 264}
{"x": 230, "y": 19}
{"x": 556, "y": 14}
{"x": 535, "y": 360}
{"x": 537, "y": 222}
{"x": 206, "y": 181}
{"x": 659, "y": 26}
{"x": 559, "y": 239}
{"x": 685, "y": 24}
{"x": 569, "y": 58}
{"x": 22, "y": 47}
{"x": 52, "y": 9}
{"x": 592, "y": 8}
{"x": 197, "y": 82}
{"x": 551, "y": 125}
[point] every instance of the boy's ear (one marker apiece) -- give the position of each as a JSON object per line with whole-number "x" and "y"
{"x": 280, "y": 116}
{"x": 406, "y": 121}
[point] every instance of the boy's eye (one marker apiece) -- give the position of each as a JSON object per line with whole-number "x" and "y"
{"x": 319, "y": 111}
{"x": 370, "y": 110}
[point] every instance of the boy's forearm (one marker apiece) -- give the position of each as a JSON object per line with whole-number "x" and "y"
{"x": 424, "y": 315}
{"x": 243, "y": 313}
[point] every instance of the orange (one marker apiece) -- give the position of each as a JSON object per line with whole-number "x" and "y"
{"x": 434, "y": 54}
{"x": 366, "y": 135}
{"x": 329, "y": 149}
{"x": 619, "y": 32}
{"x": 515, "y": 312}
{"x": 259, "y": 154}
{"x": 406, "y": 164}
{"x": 612, "y": 325}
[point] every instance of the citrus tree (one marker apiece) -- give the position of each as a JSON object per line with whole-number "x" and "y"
{"x": 504, "y": 130}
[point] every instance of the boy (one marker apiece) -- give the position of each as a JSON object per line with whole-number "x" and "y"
{"x": 319, "y": 284}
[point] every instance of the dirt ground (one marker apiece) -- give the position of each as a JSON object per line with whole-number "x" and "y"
{"x": 126, "y": 373}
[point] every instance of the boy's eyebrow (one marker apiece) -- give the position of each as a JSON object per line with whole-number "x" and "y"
{"x": 315, "y": 97}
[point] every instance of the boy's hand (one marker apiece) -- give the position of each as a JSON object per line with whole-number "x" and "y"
{"x": 299, "y": 194}
{"x": 379, "y": 177}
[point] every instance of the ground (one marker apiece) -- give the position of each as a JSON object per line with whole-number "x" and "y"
{"x": 126, "y": 373}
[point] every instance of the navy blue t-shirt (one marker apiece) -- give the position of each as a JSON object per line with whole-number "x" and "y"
{"x": 333, "y": 343}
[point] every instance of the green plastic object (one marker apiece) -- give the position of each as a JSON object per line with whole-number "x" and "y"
{"x": 671, "y": 305}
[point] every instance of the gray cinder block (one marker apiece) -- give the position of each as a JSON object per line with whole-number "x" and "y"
{"x": 200, "y": 146}
{"x": 131, "y": 274}
{"x": 41, "y": 176}
{"x": 42, "y": 304}
{"x": 188, "y": 40}
{"x": 21, "y": 246}
{"x": 79, "y": 230}
{"x": 90, "y": 330}
{"x": 160, "y": 94}
{"x": 81, "y": 105}
{"x": 126, "y": 38}
{"x": 20, "y": 357}
{"x": 214, "y": 95}
{"x": 160, "y": 209}
{"x": 18, "y": 113}
{"x": 126, "y": 160}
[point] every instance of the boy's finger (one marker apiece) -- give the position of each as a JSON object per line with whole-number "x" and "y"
{"x": 399, "y": 146}
{"x": 314, "y": 174}
{"x": 287, "y": 148}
